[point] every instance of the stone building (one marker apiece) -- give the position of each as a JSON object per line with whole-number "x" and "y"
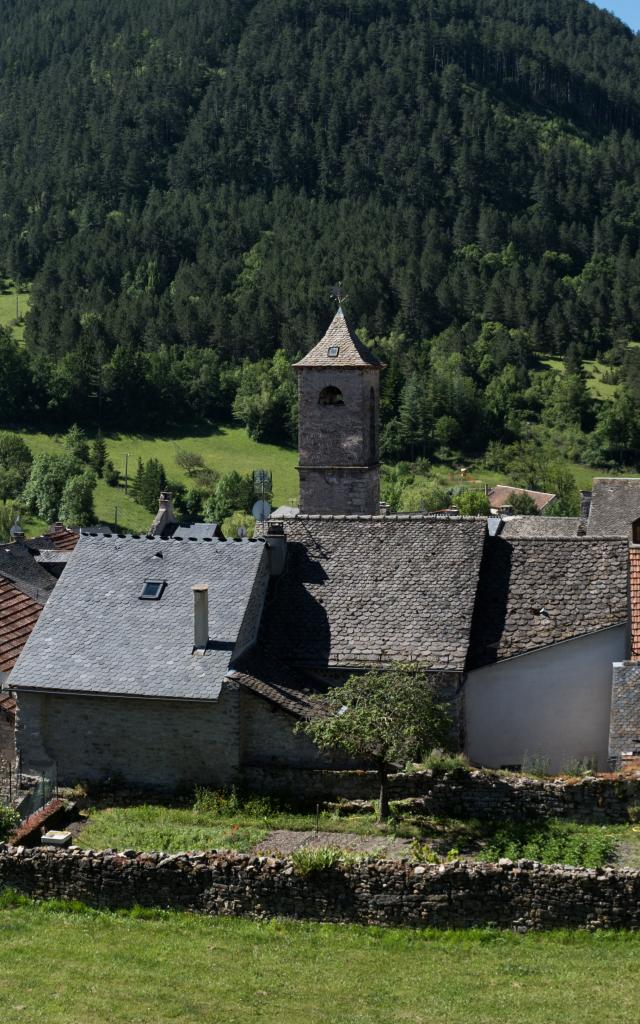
{"x": 127, "y": 675}
{"x": 339, "y": 396}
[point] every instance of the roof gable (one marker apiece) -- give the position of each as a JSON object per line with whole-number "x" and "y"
{"x": 340, "y": 347}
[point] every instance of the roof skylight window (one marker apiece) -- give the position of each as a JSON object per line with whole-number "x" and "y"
{"x": 152, "y": 590}
{"x": 333, "y": 351}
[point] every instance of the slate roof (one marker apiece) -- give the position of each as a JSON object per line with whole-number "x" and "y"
{"x": 18, "y": 564}
{"x": 537, "y": 592}
{"x": 279, "y": 684}
{"x": 615, "y": 505}
{"x": 634, "y": 601}
{"x": 18, "y": 616}
{"x": 198, "y": 531}
{"x": 351, "y": 351}
{"x": 541, "y": 526}
{"x": 365, "y": 590}
{"x": 501, "y": 495}
{"x": 96, "y": 635}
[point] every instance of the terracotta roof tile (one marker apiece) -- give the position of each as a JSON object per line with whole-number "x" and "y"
{"x": 18, "y": 616}
{"x": 501, "y": 495}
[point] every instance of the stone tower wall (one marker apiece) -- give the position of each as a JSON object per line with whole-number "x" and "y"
{"x": 338, "y": 444}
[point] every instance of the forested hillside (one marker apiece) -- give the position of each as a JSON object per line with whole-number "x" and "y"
{"x": 182, "y": 181}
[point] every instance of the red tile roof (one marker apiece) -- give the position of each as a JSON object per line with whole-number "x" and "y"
{"x": 18, "y": 616}
{"x": 63, "y": 539}
{"x": 634, "y": 593}
{"x": 502, "y": 494}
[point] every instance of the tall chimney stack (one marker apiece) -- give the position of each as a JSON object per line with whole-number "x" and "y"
{"x": 200, "y": 616}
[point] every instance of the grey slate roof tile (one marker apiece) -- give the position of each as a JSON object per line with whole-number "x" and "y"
{"x": 96, "y": 635}
{"x": 350, "y": 350}
{"x": 18, "y": 564}
{"x": 537, "y": 592}
{"x": 615, "y": 505}
{"x": 541, "y": 526}
{"x": 366, "y": 590}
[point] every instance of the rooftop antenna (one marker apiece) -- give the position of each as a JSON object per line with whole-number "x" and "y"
{"x": 338, "y": 294}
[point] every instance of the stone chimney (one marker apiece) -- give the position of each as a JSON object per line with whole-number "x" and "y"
{"x": 16, "y": 532}
{"x": 585, "y": 503}
{"x": 165, "y": 516}
{"x": 200, "y": 616}
{"x": 277, "y": 547}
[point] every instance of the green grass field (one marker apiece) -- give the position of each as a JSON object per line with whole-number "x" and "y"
{"x": 227, "y": 449}
{"x": 10, "y": 304}
{"x": 66, "y": 964}
{"x": 593, "y": 372}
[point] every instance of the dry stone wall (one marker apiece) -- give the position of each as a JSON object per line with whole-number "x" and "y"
{"x": 521, "y": 895}
{"x": 462, "y": 794}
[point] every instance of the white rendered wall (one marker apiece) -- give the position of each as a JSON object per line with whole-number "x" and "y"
{"x": 553, "y": 704}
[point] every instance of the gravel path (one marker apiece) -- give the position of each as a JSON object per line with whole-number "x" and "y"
{"x": 285, "y": 841}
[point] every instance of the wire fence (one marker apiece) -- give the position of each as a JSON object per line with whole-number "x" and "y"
{"x": 41, "y": 785}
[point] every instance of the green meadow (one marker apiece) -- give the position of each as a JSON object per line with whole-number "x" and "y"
{"x": 226, "y": 449}
{"x": 66, "y": 964}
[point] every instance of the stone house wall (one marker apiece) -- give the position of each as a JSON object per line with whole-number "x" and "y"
{"x": 624, "y": 730}
{"x": 522, "y": 895}
{"x": 148, "y": 743}
{"x": 268, "y": 738}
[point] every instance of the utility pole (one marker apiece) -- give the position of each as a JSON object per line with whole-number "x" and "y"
{"x": 126, "y": 472}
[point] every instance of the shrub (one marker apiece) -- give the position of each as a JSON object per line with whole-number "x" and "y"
{"x": 226, "y": 803}
{"x": 552, "y": 842}
{"x": 440, "y": 763}
{"x": 110, "y": 474}
{"x": 9, "y": 821}
{"x": 313, "y": 860}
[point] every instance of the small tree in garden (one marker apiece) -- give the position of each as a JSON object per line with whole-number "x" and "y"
{"x": 386, "y": 716}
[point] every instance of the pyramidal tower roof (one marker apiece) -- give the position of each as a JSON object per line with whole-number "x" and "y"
{"x": 340, "y": 347}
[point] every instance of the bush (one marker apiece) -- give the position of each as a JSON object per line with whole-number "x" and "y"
{"x": 9, "y": 821}
{"x": 226, "y": 803}
{"x": 314, "y": 860}
{"x": 472, "y": 503}
{"x": 440, "y": 763}
{"x": 110, "y": 474}
{"x": 552, "y": 842}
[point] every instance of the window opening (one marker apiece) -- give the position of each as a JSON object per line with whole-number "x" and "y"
{"x": 152, "y": 590}
{"x": 333, "y": 351}
{"x": 331, "y": 396}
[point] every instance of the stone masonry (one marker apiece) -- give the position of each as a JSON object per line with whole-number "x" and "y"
{"x": 522, "y": 895}
{"x": 624, "y": 731}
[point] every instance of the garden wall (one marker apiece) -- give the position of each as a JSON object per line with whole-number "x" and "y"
{"x": 461, "y": 794}
{"x": 519, "y": 895}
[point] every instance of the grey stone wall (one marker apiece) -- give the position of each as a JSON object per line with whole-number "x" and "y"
{"x": 338, "y": 444}
{"x": 522, "y": 895}
{"x": 339, "y": 491}
{"x": 267, "y": 737}
{"x": 248, "y": 633}
{"x": 459, "y": 794}
{"x": 147, "y": 743}
{"x": 624, "y": 729}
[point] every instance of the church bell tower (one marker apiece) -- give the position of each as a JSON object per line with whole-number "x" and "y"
{"x": 339, "y": 401}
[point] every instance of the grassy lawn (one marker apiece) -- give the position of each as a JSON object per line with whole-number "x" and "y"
{"x": 8, "y": 307}
{"x": 175, "y": 829}
{"x": 226, "y": 449}
{"x": 66, "y": 964}
{"x": 216, "y": 821}
{"x": 593, "y": 372}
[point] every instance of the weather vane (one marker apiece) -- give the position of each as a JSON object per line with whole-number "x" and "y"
{"x": 338, "y": 294}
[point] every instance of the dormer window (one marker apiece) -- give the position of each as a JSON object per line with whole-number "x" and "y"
{"x": 330, "y": 396}
{"x": 333, "y": 351}
{"x": 152, "y": 590}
